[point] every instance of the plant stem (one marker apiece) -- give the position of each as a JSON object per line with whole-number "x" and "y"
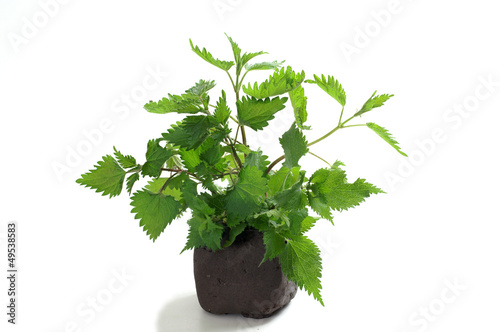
{"x": 232, "y": 118}
{"x": 233, "y": 152}
{"x": 274, "y": 164}
{"x": 236, "y": 136}
{"x": 341, "y": 113}
{"x": 320, "y": 158}
{"x": 243, "y": 135}
{"x": 325, "y": 136}
{"x": 356, "y": 125}
{"x": 232, "y": 82}
{"x": 165, "y": 184}
{"x": 177, "y": 170}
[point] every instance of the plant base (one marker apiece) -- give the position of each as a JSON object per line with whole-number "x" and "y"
{"x": 230, "y": 281}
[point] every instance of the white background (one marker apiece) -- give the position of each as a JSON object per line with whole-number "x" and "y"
{"x": 386, "y": 262}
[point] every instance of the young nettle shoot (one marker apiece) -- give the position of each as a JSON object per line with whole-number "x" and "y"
{"x": 205, "y": 164}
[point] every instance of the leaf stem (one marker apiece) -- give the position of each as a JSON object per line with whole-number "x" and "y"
{"x": 341, "y": 113}
{"x": 177, "y": 170}
{"x": 274, "y": 164}
{"x": 320, "y": 158}
{"x": 232, "y": 82}
{"x": 326, "y": 135}
{"x": 165, "y": 184}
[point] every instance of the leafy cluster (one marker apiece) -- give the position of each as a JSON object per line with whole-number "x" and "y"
{"x": 205, "y": 165}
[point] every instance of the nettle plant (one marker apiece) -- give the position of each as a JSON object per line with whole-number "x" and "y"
{"x": 205, "y": 164}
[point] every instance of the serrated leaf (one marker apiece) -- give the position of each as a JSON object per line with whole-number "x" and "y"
{"x": 205, "y": 55}
{"x": 264, "y": 65}
{"x": 243, "y": 199}
{"x": 172, "y": 188}
{"x": 330, "y": 187}
{"x": 307, "y": 224}
{"x": 299, "y": 103}
{"x": 107, "y": 177}
{"x": 296, "y": 217}
{"x": 373, "y": 102}
{"x": 239, "y": 59}
{"x": 133, "y": 178}
{"x": 301, "y": 262}
{"x": 125, "y": 161}
{"x": 191, "y": 132}
{"x": 295, "y": 146}
{"x": 257, "y": 159}
{"x": 155, "y": 211}
{"x": 283, "y": 179}
{"x": 292, "y": 199}
{"x": 256, "y": 113}
{"x": 234, "y": 232}
{"x": 275, "y": 245}
{"x": 320, "y": 206}
{"x": 222, "y": 111}
{"x": 156, "y": 156}
{"x": 185, "y": 103}
{"x": 386, "y": 136}
{"x": 201, "y": 87}
{"x": 203, "y": 232}
{"x": 280, "y": 82}
{"x": 198, "y": 206}
{"x": 331, "y": 86}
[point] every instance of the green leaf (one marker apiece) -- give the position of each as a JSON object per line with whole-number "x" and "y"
{"x": 277, "y": 181}
{"x": 292, "y": 199}
{"x": 191, "y": 132}
{"x": 283, "y": 179}
{"x": 107, "y": 177}
{"x": 264, "y": 65}
{"x": 198, "y": 206}
{"x": 186, "y": 103}
{"x": 133, "y": 178}
{"x": 295, "y": 146}
{"x": 205, "y": 55}
{"x": 156, "y": 156}
{"x": 331, "y": 86}
{"x": 307, "y": 223}
{"x": 234, "y": 232}
{"x": 373, "y": 102}
{"x": 255, "y": 113}
{"x": 386, "y": 136}
{"x": 275, "y": 245}
{"x": 280, "y": 82}
{"x": 222, "y": 111}
{"x": 299, "y": 102}
{"x": 203, "y": 232}
{"x": 244, "y": 197}
{"x": 257, "y": 159}
{"x": 155, "y": 211}
{"x": 301, "y": 262}
{"x": 190, "y": 158}
{"x": 201, "y": 88}
{"x": 173, "y": 187}
{"x": 330, "y": 186}
{"x": 239, "y": 59}
{"x": 125, "y": 161}
{"x": 320, "y": 206}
